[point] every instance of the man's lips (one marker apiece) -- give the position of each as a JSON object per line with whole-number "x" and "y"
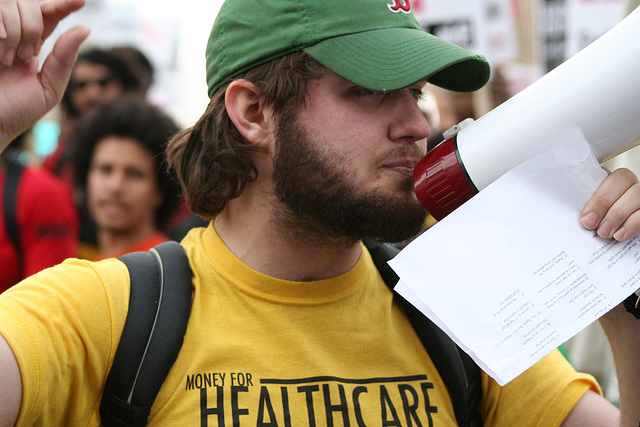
{"x": 111, "y": 206}
{"x": 403, "y": 167}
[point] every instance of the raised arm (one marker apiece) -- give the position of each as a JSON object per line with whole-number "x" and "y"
{"x": 10, "y": 387}
{"x": 27, "y": 93}
{"x": 623, "y": 331}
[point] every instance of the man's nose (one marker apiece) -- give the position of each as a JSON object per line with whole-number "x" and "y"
{"x": 409, "y": 124}
{"x": 116, "y": 181}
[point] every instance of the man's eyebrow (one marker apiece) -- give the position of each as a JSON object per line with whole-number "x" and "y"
{"x": 341, "y": 81}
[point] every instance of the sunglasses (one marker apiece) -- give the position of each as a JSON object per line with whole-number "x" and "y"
{"x": 82, "y": 84}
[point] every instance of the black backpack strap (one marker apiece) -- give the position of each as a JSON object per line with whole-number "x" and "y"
{"x": 457, "y": 369}
{"x": 10, "y": 192}
{"x": 159, "y": 309}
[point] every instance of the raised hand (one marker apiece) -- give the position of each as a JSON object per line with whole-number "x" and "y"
{"x": 27, "y": 92}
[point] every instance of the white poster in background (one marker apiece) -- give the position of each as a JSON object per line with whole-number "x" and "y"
{"x": 498, "y": 29}
{"x": 482, "y": 26}
{"x": 457, "y": 21}
{"x": 589, "y": 19}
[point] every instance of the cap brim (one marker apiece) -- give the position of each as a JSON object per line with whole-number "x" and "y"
{"x": 394, "y": 58}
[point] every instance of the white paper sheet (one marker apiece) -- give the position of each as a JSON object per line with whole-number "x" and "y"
{"x": 512, "y": 274}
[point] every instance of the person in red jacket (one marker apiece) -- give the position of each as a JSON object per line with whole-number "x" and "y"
{"x": 38, "y": 220}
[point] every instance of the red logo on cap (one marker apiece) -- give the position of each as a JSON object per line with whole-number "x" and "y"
{"x": 403, "y": 6}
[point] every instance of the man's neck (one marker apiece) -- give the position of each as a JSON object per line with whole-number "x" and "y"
{"x": 256, "y": 238}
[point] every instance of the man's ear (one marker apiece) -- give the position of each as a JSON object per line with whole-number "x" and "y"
{"x": 247, "y": 111}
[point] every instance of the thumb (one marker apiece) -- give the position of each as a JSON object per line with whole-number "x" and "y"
{"x": 56, "y": 69}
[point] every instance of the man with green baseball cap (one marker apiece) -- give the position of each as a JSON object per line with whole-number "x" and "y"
{"x": 305, "y": 152}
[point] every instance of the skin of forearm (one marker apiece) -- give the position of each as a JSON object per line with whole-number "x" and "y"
{"x": 623, "y": 332}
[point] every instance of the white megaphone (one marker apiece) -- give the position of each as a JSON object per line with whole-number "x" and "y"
{"x": 597, "y": 91}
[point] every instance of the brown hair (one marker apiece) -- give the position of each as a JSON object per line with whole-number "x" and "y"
{"x": 212, "y": 159}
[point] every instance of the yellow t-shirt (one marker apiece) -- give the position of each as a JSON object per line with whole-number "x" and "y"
{"x": 258, "y": 351}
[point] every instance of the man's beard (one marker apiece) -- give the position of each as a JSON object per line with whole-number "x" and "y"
{"x": 322, "y": 205}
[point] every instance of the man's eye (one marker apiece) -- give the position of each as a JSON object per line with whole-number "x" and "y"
{"x": 366, "y": 92}
{"x": 417, "y": 93}
{"x": 135, "y": 174}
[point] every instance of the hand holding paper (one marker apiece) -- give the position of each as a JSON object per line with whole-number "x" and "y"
{"x": 513, "y": 274}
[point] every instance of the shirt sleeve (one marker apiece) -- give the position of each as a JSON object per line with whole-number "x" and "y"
{"x": 63, "y": 325}
{"x": 541, "y": 396}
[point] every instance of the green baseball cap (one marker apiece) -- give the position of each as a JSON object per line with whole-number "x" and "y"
{"x": 376, "y": 44}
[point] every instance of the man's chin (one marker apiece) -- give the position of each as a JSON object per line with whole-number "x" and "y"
{"x": 399, "y": 186}
{"x": 396, "y": 218}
